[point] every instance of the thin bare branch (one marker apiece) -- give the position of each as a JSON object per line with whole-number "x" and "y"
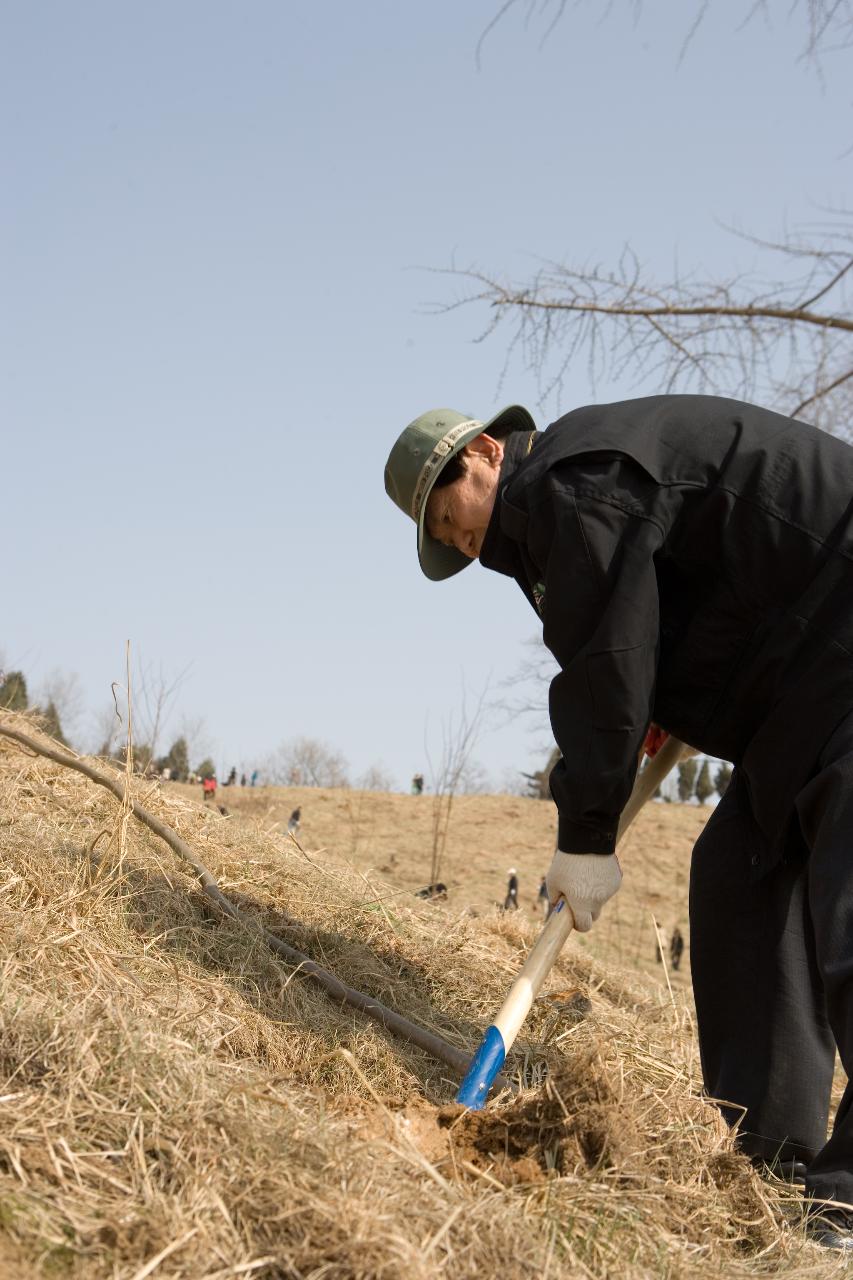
{"x": 828, "y": 24}
{"x": 836, "y": 279}
{"x": 791, "y": 315}
{"x": 459, "y": 737}
{"x": 823, "y": 391}
{"x": 757, "y": 337}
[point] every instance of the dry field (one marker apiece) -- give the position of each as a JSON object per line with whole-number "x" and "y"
{"x": 388, "y": 838}
{"x": 176, "y": 1101}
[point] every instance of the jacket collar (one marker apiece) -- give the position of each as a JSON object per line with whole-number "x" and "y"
{"x": 500, "y": 549}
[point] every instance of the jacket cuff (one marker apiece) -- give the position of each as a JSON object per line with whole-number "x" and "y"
{"x": 576, "y": 837}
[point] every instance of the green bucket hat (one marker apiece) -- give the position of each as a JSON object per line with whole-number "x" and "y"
{"x": 418, "y": 458}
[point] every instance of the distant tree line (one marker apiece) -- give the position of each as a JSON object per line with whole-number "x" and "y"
{"x": 309, "y": 762}
{"x": 301, "y": 761}
{"x": 14, "y": 697}
{"x": 693, "y": 779}
{"x": 176, "y": 761}
{"x": 697, "y": 779}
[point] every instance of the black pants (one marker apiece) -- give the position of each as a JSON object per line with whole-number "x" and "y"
{"x": 772, "y": 961}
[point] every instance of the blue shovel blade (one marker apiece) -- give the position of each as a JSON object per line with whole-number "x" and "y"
{"x": 485, "y": 1065}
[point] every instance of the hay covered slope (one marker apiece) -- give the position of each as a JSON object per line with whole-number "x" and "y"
{"x": 177, "y": 1102}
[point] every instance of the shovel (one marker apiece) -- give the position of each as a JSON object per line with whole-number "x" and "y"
{"x": 499, "y": 1037}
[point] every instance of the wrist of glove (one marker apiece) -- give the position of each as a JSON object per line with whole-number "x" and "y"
{"x": 586, "y": 881}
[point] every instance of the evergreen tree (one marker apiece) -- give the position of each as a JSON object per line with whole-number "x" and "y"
{"x": 207, "y": 769}
{"x": 538, "y": 787}
{"x": 51, "y": 723}
{"x": 177, "y": 761}
{"x": 722, "y": 777}
{"x": 687, "y": 771}
{"x": 704, "y": 784}
{"x": 13, "y": 691}
{"x": 141, "y": 756}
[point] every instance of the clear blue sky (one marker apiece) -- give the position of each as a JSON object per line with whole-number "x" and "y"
{"x": 216, "y": 318}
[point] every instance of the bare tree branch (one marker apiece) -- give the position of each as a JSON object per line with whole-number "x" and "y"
{"x": 156, "y": 692}
{"x": 824, "y": 391}
{"x": 64, "y": 690}
{"x": 306, "y": 762}
{"x": 738, "y": 336}
{"x": 792, "y": 315}
{"x": 459, "y": 737}
{"x": 828, "y": 23}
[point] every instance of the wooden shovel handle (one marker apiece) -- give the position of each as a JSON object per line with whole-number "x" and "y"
{"x": 524, "y": 990}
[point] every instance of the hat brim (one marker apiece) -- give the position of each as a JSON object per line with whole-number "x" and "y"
{"x": 438, "y": 561}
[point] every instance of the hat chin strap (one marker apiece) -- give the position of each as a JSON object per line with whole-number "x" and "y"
{"x": 437, "y": 459}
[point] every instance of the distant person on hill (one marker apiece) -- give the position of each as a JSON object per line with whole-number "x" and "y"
{"x": 294, "y": 821}
{"x": 242, "y": 779}
{"x": 659, "y": 945}
{"x": 254, "y": 778}
{"x": 437, "y": 891}
{"x": 511, "y": 899}
{"x": 691, "y": 559}
{"x": 418, "y": 784}
{"x": 208, "y": 787}
{"x": 542, "y": 899}
{"x": 676, "y": 947}
{"x": 231, "y": 779}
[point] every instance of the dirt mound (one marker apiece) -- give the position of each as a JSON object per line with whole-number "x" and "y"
{"x": 572, "y": 1121}
{"x": 582, "y": 1126}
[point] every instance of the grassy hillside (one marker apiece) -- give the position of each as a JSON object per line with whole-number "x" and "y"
{"x": 389, "y": 839}
{"x": 177, "y": 1102}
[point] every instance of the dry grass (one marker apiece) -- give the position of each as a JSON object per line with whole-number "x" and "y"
{"x": 388, "y": 837}
{"x": 175, "y": 1102}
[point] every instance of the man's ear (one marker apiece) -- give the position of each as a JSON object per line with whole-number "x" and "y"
{"x": 487, "y": 448}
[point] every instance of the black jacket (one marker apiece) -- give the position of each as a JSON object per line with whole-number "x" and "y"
{"x": 692, "y": 560}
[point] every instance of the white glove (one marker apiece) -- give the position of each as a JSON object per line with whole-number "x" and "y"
{"x": 586, "y": 881}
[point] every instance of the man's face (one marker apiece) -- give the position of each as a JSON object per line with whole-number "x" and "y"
{"x": 459, "y": 514}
